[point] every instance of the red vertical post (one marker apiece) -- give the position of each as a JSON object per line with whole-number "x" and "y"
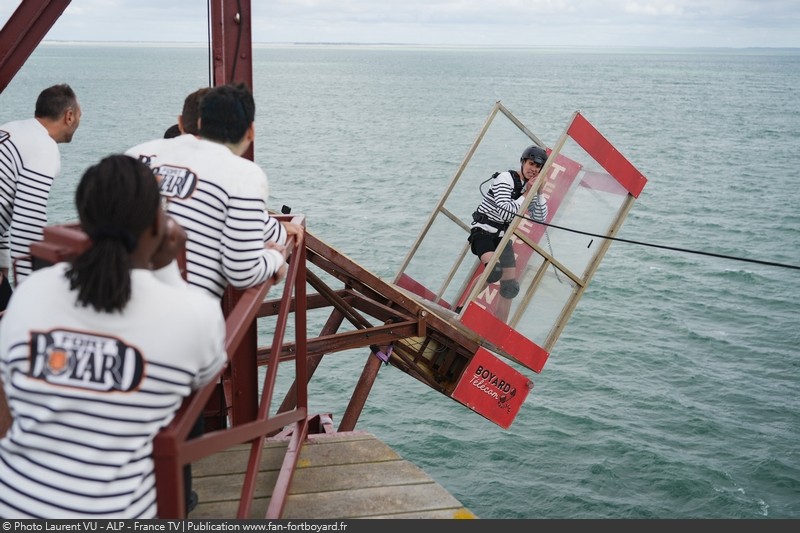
{"x": 231, "y": 48}
{"x": 242, "y": 371}
{"x": 232, "y": 45}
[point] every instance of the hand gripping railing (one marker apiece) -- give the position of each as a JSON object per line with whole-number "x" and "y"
{"x": 171, "y": 449}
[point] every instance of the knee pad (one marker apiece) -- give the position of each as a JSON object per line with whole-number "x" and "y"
{"x": 509, "y": 288}
{"x": 496, "y": 274}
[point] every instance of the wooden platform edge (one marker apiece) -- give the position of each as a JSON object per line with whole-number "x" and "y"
{"x": 348, "y": 475}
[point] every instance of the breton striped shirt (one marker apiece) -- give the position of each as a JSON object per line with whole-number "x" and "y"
{"x": 89, "y": 391}
{"x": 29, "y": 162}
{"x": 220, "y": 199}
{"x": 500, "y": 205}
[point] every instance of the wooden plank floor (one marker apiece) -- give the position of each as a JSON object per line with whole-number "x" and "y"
{"x": 339, "y": 476}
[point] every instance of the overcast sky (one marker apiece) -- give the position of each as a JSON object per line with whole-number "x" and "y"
{"x": 682, "y": 23}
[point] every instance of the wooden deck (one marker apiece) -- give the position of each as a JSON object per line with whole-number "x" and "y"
{"x": 339, "y": 476}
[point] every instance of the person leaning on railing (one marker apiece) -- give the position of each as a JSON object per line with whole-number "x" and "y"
{"x": 98, "y": 354}
{"x": 220, "y": 197}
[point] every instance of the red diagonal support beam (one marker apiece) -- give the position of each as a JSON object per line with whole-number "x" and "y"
{"x": 23, "y": 32}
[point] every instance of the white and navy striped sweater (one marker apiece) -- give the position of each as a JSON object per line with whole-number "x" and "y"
{"x": 500, "y": 206}
{"x": 89, "y": 391}
{"x": 220, "y": 199}
{"x": 29, "y": 162}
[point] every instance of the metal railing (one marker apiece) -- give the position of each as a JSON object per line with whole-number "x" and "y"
{"x": 249, "y": 416}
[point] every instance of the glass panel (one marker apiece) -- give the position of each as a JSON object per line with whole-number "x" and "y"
{"x": 553, "y": 262}
{"x": 589, "y": 205}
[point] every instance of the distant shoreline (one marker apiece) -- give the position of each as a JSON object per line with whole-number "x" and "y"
{"x": 420, "y": 46}
{"x": 184, "y": 44}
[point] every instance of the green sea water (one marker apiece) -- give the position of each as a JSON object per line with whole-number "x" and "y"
{"x": 674, "y": 391}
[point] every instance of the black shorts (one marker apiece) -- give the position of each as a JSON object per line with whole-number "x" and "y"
{"x": 482, "y": 241}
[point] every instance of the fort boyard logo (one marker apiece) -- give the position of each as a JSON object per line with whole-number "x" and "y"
{"x": 85, "y": 360}
{"x": 175, "y": 182}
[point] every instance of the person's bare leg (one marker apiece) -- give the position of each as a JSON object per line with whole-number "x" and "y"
{"x": 504, "y": 304}
{"x": 503, "y": 307}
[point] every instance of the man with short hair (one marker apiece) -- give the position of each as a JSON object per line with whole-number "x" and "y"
{"x": 29, "y": 162}
{"x": 188, "y": 120}
{"x": 218, "y": 196}
{"x": 190, "y": 115}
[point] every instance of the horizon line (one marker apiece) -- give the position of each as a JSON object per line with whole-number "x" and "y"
{"x": 460, "y": 45}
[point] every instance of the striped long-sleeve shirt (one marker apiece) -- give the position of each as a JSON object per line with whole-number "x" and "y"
{"x": 501, "y": 204}
{"x": 89, "y": 391}
{"x": 29, "y": 162}
{"x": 220, "y": 199}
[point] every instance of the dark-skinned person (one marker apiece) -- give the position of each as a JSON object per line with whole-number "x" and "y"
{"x": 98, "y": 353}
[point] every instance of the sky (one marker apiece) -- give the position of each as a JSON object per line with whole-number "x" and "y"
{"x": 548, "y": 23}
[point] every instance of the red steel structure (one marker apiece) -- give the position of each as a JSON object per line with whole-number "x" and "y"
{"x": 451, "y": 349}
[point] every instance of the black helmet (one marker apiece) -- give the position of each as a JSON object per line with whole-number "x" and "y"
{"x": 534, "y": 153}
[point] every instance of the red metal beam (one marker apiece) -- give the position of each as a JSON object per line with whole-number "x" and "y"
{"x": 23, "y": 32}
{"x": 231, "y": 45}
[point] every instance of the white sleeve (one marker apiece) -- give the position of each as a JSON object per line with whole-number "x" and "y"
{"x": 538, "y": 208}
{"x": 274, "y": 231}
{"x": 274, "y": 257}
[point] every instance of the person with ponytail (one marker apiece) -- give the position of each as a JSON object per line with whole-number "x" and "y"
{"x": 97, "y": 355}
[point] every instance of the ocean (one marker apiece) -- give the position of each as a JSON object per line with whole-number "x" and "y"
{"x": 674, "y": 390}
